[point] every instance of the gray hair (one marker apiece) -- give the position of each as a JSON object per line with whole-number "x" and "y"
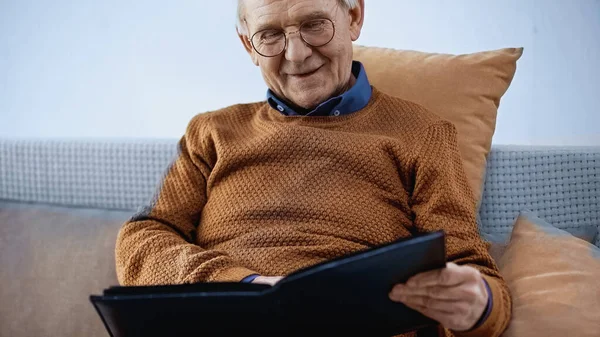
{"x": 347, "y": 4}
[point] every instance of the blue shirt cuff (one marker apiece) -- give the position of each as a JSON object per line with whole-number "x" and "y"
{"x": 250, "y": 278}
{"x": 488, "y": 308}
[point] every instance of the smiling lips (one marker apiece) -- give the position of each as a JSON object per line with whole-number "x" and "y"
{"x": 305, "y": 75}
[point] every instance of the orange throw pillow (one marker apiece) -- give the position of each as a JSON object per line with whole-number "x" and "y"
{"x": 463, "y": 89}
{"x": 554, "y": 280}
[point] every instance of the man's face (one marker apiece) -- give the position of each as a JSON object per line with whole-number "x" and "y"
{"x": 304, "y": 75}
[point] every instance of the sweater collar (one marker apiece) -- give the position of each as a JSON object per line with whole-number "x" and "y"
{"x": 350, "y": 101}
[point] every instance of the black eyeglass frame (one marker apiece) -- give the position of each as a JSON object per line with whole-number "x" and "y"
{"x": 285, "y": 36}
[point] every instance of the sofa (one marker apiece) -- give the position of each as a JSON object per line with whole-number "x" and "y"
{"x": 62, "y": 203}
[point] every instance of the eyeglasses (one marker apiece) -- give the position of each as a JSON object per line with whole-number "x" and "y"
{"x": 272, "y": 42}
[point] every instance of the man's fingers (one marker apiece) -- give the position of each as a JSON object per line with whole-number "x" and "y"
{"x": 437, "y": 292}
{"x": 451, "y": 320}
{"x": 454, "y": 296}
{"x": 447, "y": 306}
{"x": 429, "y": 312}
{"x": 450, "y": 276}
{"x": 440, "y": 316}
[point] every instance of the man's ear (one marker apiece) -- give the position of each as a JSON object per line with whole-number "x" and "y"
{"x": 248, "y": 46}
{"x": 357, "y": 17}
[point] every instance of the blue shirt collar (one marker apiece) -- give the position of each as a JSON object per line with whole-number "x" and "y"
{"x": 356, "y": 98}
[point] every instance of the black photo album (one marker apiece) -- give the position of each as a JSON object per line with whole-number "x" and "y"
{"x": 345, "y": 296}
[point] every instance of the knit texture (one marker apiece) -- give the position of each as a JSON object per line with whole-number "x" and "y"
{"x": 253, "y": 191}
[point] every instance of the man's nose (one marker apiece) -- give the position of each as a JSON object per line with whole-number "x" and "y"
{"x": 297, "y": 50}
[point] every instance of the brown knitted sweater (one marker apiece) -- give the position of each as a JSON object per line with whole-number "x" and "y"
{"x": 254, "y": 191}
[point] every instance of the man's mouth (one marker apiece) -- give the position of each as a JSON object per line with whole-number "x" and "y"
{"x": 305, "y": 75}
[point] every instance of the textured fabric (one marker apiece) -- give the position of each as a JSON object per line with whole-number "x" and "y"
{"x": 562, "y": 185}
{"x": 553, "y": 278}
{"x": 51, "y": 260}
{"x": 464, "y": 89}
{"x": 99, "y": 174}
{"x": 354, "y": 99}
{"x": 249, "y": 278}
{"x": 254, "y": 191}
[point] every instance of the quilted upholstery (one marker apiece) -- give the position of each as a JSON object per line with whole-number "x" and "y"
{"x": 560, "y": 184}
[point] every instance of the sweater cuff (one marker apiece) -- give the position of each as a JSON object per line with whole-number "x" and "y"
{"x": 490, "y": 325}
{"x": 249, "y": 279}
{"x": 488, "y": 307}
{"x": 234, "y": 274}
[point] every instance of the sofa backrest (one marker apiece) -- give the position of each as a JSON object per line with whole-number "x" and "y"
{"x": 52, "y": 257}
{"x": 561, "y": 184}
{"x": 51, "y": 260}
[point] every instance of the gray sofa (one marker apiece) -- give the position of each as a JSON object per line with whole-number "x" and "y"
{"x": 62, "y": 203}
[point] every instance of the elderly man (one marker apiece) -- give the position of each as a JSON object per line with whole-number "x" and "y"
{"x": 326, "y": 166}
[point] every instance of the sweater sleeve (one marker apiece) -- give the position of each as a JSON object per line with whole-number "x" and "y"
{"x": 157, "y": 246}
{"x": 442, "y": 200}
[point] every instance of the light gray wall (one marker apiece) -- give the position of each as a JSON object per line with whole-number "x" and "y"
{"x": 144, "y": 68}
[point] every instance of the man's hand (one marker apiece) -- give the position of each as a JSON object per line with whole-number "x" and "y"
{"x": 270, "y": 280}
{"x": 455, "y": 296}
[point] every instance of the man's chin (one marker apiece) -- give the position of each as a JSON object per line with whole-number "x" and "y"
{"x": 308, "y": 101}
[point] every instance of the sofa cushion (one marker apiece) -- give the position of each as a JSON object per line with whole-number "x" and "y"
{"x": 553, "y": 279}
{"x": 464, "y": 89}
{"x": 498, "y": 242}
{"x": 51, "y": 260}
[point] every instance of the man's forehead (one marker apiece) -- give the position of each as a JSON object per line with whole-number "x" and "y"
{"x": 267, "y": 12}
